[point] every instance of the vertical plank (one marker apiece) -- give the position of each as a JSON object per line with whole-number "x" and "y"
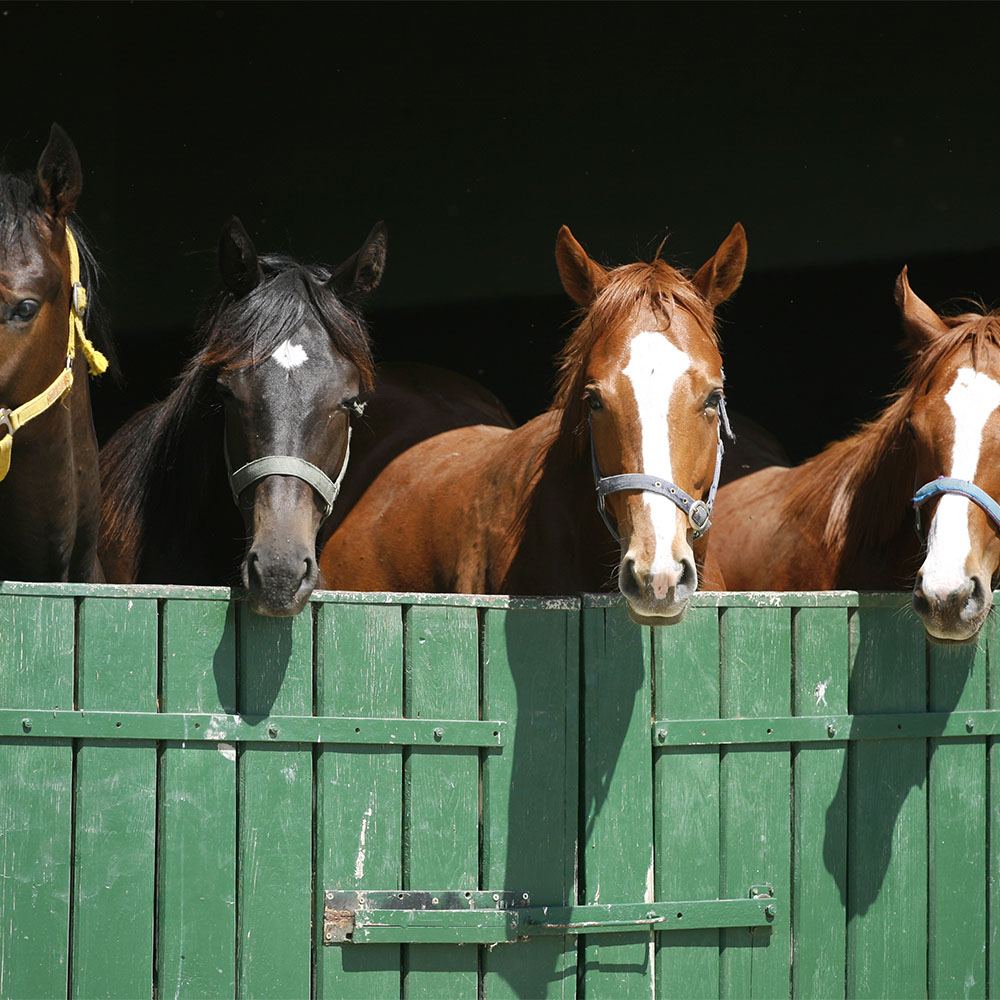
{"x": 530, "y": 679}
{"x": 36, "y": 672}
{"x": 819, "y": 845}
{"x": 441, "y": 821}
{"x": 115, "y": 816}
{"x": 991, "y": 639}
{"x": 359, "y": 672}
{"x": 196, "y": 927}
{"x": 617, "y": 863}
{"x": 956, "y": 789}
{"x": 887, "y": 813}
{"x": 756, "y": 795}
{"x": 686, "y": 665}
{"x": 274, "y": 952}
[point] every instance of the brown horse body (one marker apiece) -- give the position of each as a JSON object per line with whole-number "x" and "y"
{"x": 844, "y": 519}
{"x": 50, "y": 498}
{"x": 498, "y": 510}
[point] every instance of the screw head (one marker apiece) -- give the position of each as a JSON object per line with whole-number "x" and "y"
{"x": 272, "y": 731}
{"x": 831, "y": 729}
{"x": 770, "y": 911}
{"x": 438, "y": 733}
{"x": 661, "y": 735}
{"x": 26, "y": 725}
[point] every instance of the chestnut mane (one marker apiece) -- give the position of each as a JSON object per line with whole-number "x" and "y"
{"x": 865, "y": 481}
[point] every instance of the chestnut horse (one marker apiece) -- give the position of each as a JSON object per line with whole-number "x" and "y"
{"x": 49, "y": 485}
{"x": 843, "y": 519}
{"x": 638, "y": 412}
{"x": 261, "y": 416}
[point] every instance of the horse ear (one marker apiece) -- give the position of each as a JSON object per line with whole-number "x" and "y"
{"x": 582, "y": 277}
{"x": 920, "y": 323}
{"x": 238, "y": 262}
{"x": 362, "y": 271}
{"x": 722, "y": 273}
{"x": 59, "y": 177}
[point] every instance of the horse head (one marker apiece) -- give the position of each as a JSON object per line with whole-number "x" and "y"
{"x": 644, "y": 370}
{"x": 287, "y": 402}
{"x": 954, "y": 420}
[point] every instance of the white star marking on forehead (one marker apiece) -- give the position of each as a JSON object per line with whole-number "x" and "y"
{"x": 290, "y": 355}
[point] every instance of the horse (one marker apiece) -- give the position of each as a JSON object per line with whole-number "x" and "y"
{"x": 498, "y": 510}
{"x": 49, "y": 484}
{"x": 843, "y": 520}
{"x": 410, "y": 402}
{"x": 230, "y": 477}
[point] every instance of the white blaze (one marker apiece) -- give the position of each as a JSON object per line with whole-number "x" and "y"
{"x": 653, "y": 368}
{"x": 972, "y": 399}
{"x": 290, "y": 355}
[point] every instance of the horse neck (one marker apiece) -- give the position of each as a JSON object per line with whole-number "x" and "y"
{"x": 854, "y": 499}
{"x": 49, "y": 503}
{"x": 559, "y": 515}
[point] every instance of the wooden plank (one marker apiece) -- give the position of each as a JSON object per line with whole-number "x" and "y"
{"x": 115, "y": 815}
{"x": 755, "y": 654}
{"x": 196, "y": 925}
{"x": 819, "y": 843}
{"x": 530, "y": 680}
{"x": 990, "y": 636}
{"x": 957, "y": 868}
{"x": 686, "y": 814}
{"x": 36, "y": 671}
{"x": 887, "y": 813}
{"x": 359, "y": 789}
{"x": 441, "y": 789}
{"x": 274, "y": 948}
{"x": 617, "y": 841}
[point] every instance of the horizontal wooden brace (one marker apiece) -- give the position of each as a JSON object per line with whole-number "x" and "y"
{"x": 465, "y": 924}
{"x": 826, "y": 728}
{"x": 204, "y": 727}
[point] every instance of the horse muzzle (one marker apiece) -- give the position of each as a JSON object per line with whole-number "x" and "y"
{"x": 657, "y": 597}
{"x": 953, "y": 614}
{"x": 279, "y": 581}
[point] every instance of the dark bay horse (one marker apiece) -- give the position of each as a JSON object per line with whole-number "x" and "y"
{"x": 844, "y": 519}
{"x": 268, "y": 397}
{"x": 498, "y": 510}
{"x": 49, "y": 485}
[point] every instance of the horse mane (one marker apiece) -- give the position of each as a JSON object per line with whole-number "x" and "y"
{"x": 145, "y": 463}
{"x": 865, "y": 481}
{"x": 21, "y": 218}
{"x": 654, "y": 286}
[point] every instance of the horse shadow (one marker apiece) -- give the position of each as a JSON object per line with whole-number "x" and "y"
{"x": 894, "y": 668}
{"x": 267, "y": 649}
{"x": 564, "y": 771}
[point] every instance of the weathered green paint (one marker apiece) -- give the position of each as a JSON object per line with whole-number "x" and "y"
{"x": 115, "y": 817}
{"x": 195, "y": 727}
{"x": 359, "y": 790}
{"x": 300, "y": 755}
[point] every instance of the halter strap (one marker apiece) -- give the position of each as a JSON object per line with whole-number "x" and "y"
{"x": 97, "y": 363}
{"x": 699, "y": 512}
{"x": 960, "y": 487}
{"x": 290, "y": 465}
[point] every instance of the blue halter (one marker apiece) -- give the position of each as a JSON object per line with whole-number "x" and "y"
{"x": 960, "y": 487}
{"x": 699, "y": 512}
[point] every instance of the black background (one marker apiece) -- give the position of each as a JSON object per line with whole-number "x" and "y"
{"x": 850, "y": 139}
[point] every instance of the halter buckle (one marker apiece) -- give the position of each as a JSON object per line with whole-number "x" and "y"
{"x": 698, "y": 516}
{"x": 5, "y": 420}
{"x": 79, "y": 302}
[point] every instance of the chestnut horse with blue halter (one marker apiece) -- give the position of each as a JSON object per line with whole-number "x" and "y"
{"x": 843, "y": 519}
{"x": 233, "y": 474}
{"x": 638, "y": 413}
{"x": 49, "y": 485}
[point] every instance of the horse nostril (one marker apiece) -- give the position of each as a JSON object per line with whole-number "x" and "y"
{"x": 689, "y": 575}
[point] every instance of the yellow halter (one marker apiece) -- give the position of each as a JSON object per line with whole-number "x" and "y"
{"x": 12, "y": 420}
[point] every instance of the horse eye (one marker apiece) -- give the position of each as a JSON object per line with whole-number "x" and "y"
{"x": 223, "y": 388}
{"x": 594, "y": 401}
{"x": 25, "y": 309}
{"x": 714, "y": 399}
